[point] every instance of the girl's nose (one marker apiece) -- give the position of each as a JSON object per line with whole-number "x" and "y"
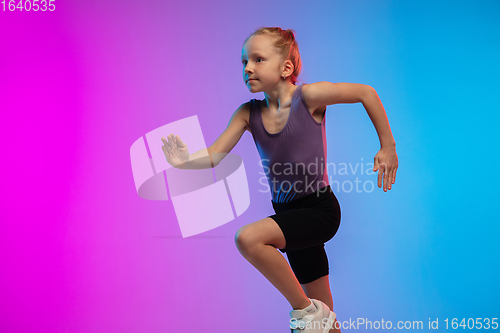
{"x": 248, "y": 69}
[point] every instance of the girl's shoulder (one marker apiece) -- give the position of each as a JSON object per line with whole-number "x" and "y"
{"x": 242, "y": 113}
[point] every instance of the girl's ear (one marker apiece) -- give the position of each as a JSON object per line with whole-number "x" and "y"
{"x": 288, "y": 69}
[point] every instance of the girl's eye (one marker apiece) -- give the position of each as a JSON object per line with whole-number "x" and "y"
{"x": 259, "y": 59}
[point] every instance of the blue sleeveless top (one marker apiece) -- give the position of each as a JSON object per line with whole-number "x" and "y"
{"x": 294, "y": 159}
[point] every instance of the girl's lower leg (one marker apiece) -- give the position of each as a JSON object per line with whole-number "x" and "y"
{"x": 320, "y": 290}
{"x": 276, "y": 269}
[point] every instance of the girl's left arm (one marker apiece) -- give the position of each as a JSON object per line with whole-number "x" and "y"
{"x": 327, "y": 93}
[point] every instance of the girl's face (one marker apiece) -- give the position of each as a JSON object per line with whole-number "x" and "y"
{"x": 262, "y": 65}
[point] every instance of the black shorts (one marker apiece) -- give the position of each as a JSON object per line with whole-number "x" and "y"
{"x": 308, "y": 223}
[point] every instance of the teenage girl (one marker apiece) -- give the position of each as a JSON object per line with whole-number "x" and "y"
{"x": 288, "y": 127}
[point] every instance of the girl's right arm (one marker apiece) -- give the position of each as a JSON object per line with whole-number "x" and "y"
{"x": 177, "y": 153}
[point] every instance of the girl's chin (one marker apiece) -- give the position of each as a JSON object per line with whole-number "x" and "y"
{"x": 253, "y": 89}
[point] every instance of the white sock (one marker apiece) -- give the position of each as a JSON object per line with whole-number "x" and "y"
{"x": 310, "y": 308}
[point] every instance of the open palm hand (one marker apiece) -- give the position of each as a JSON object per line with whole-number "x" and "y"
{"x": 175, "y": 150}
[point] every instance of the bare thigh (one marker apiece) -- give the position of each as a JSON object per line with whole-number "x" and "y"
{"x": 265, "y": 231}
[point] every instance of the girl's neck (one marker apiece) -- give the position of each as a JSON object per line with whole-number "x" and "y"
{"x": 281, "y": 96}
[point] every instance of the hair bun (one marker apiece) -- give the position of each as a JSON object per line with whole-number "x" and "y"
{"x": 291, "y": 33}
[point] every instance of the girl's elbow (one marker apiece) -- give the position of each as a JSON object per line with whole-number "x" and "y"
{"x": 368, "y": 93}
{"x": 215, "y": 157}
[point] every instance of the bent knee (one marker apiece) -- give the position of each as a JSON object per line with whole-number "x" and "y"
{"x": 245, "y": 240}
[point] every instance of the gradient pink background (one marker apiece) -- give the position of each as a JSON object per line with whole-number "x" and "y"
{"x": 80, "y": 251}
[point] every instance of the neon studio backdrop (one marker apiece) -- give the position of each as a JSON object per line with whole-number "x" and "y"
{"x": 90, "y": 243}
